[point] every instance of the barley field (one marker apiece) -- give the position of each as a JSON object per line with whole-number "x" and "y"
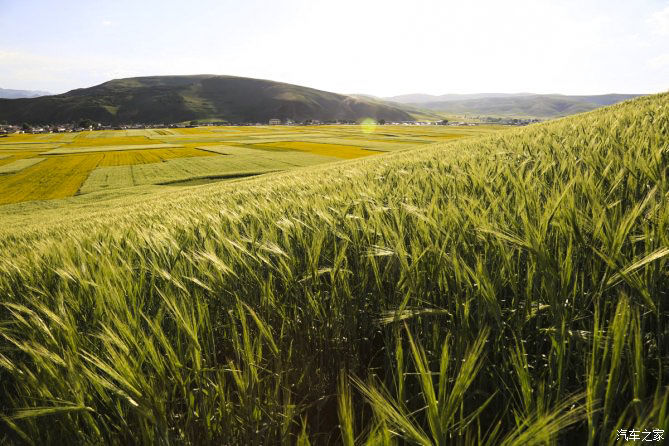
{"x": 64, "y": 176}
{"x": 503, "y": 289}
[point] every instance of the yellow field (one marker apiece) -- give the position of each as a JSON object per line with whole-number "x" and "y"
{"x": 160, "y": 132}
{"x": 62, "y": 176}
{"x": 9, "y": 157}
{"x": 45, "y": 137}
{"x": 69, "y": 150}
{"x": 19, "y": 165}
{"x": 6, "y": 159}
{"x": 130, "y": 157}
{"x": 71, "y": 157}
{"x": 56, "y": 177}
{"x": 100, "y": 139}
{"x": 336, "y": 150}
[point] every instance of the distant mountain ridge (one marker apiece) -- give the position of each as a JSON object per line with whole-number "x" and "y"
{"x": 8, "y": 93}
{"x": 515, "y": 104}
{"x": 167, "y": 99}
{"x": 420, "y": 98}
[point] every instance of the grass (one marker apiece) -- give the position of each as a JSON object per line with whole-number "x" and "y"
{"x": 509, "y": 289}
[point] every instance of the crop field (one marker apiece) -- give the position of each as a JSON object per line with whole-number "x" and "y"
{"x": 504, "y": 289}
{"x": 325, "y": 149}
{"x": 92, "y": 139}
{"x": 10, "y": 158}
{"x": 245, "y": 152}
{"x": 19, "y": 165}
{"x": 145, "y": 156}
{"x": 185, "y": 170}
{"x": 52, "y": 178}
{"x": 105, "y": 148}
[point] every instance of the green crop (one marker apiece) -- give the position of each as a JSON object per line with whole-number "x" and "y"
{"x": 505, "y": 289}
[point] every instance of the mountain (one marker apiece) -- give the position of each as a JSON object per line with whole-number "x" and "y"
{"x": 522, "y": 104}
{"x": 166, "y": 99}
{"x": 6, "y": 93}
{"x": 420, "y": 98}
{"x": 606, "y": 99}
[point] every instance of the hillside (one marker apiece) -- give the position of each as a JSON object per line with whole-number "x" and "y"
{"x": 420, "y": 98}
{"x": 167, "y": 99}
{"x": 416, "y": 112}
{"x": 6, "y": 93}
{"x": 521, "y": 104}
{"x": 510, "y": 289}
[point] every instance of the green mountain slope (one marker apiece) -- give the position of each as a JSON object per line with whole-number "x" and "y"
{"x": 511, "y": 289}
{"x": 165, "y": 99}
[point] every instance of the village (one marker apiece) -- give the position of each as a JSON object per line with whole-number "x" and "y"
{"x": 88, "y": 125}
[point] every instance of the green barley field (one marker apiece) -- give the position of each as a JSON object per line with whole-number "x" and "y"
{"x": 503, "y": 289}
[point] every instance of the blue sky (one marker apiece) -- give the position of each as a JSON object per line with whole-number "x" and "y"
{"x": 376, "y": 47}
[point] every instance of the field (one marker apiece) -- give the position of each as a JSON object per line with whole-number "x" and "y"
{"x": 18, "y": 165}
{"x": 503, "y": 289}
{"x": 80, "y": 163}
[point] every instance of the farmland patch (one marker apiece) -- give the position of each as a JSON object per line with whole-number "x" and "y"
{"x": 19, "y": 165}
{"x": 335, "y": 150}
{"x": 88, "y": 149}
{"x": 55, "y": 177}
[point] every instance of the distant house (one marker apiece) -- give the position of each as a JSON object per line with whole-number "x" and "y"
{"x": 274, "y": 122}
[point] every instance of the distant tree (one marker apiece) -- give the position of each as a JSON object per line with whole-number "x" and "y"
{"x": 25, "y": 126}
{"x": 382, "y": 121}
{"x": 85, "y": 123}
{"x": 193, "y": 122}
{"x": 443, "y": 122}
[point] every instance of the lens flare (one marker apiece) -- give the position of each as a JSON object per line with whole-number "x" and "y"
{"x": 368, "y": 125}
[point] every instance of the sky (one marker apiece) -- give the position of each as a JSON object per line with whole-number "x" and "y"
{"x": 383, "y": 48}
